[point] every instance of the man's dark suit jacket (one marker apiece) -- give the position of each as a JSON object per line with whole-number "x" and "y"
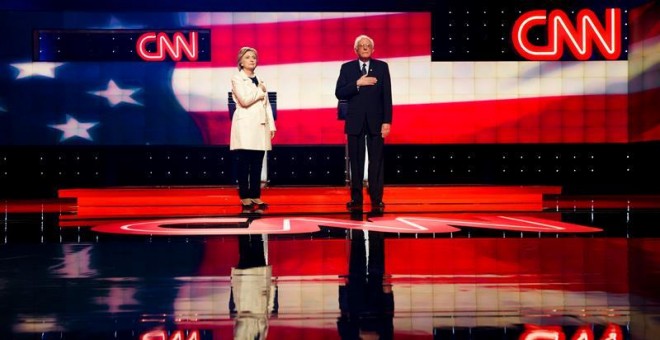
{"x": 373, "y": 102}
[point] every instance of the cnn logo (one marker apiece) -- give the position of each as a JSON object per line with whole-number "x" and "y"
{"x": 580, "y": 38}
{"x": 152, "y": 46}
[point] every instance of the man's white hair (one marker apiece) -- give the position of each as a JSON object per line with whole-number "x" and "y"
{"x": 360, "y": 37}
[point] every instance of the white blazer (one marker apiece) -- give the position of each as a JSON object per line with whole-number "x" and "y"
{"x": 253, "y": 119}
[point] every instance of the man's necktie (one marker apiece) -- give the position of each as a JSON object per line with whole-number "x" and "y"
{"x": 364, "y": 68}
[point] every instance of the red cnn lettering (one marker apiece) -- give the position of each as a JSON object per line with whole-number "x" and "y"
{"x": 175, "y": 48}
{"x": 583, "y": 333}
{"x": 302, "y": 224}
{"x": 579, "y": 39}
{"x": 176, "y": 335}
{"x": 542, "y": 333}
{"x": 398, "y": 225}
{"x": 612, "y": 332}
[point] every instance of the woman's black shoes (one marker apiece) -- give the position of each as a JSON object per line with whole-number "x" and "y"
{"x": 261, "y": 204}
{"x": 249, "y": 204}
{"x": 246, "y": 203}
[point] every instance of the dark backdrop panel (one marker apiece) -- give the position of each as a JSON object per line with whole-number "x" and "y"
{"x": 579, "y": 168}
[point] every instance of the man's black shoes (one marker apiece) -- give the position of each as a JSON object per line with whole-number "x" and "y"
{"x": 375, "y": 206}
{"x": 378, "y": 206}
{"x": 354, "y": 205}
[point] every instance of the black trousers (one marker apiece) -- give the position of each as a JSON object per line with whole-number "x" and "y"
{"x": 250, "y": 163}
{"x": 356, "y": 149}
{"x": 251, "y": 251}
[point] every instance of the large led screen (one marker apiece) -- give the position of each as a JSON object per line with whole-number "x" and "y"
{"x": 119, "y": 102}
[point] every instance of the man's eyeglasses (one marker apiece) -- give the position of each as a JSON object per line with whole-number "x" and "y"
{"x": 365, "y": 45}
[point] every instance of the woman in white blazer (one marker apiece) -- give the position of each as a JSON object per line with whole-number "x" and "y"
{"x": 252, "y": 127}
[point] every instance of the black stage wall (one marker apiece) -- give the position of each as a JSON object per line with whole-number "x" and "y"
{"x": 579, "y": 168}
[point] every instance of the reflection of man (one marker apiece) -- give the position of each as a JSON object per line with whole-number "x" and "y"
{"x": 366, "y": 301}
{"x": 252, "y": 288}
{"x": 365, "y": 85}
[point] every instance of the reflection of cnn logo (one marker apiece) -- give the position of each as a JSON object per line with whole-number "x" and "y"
{"x": 532, "y": 332}
{"x": 175, "y": 48}
{"x": 580, "y": 38}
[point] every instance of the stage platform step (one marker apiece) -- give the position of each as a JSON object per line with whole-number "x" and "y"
{"x": 175, "y": 201}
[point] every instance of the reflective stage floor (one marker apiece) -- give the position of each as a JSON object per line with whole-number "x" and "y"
{"x": 437, "y": 263}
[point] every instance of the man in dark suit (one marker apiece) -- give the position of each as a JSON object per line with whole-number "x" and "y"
{"x": 365, "y": 84}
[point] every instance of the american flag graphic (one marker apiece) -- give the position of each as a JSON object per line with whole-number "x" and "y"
{"x": 140, "y": 103}
{"x": 435, "y": 102}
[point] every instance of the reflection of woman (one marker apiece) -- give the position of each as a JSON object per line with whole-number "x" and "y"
{"x": 253, "y": 292}
{"x": 252, "y": 127}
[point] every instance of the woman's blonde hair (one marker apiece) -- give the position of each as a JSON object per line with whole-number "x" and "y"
{"x": 242, "y": 52}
